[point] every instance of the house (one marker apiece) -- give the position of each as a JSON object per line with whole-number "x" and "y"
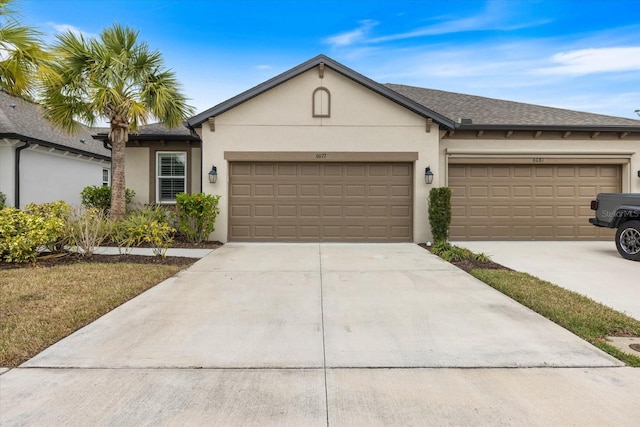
{"x": 160, "y": 163}
{"x": 40, "y": 163}
{"x": 323, "y": 153}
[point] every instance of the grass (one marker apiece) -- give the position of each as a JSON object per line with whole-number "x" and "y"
{"x": 40, "y": 306}
{"x": 581, "y": 315}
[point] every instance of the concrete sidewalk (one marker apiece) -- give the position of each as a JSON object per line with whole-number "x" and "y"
{"x": 321, "y": 334}
{"x": 594, "y": 269}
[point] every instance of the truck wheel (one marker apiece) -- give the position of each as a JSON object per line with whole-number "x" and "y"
{"x": 628, "y": 240}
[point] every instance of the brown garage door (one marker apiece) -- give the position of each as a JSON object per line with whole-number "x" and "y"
{"x": 526, "y": 202}
{"x": 354, "y": 202}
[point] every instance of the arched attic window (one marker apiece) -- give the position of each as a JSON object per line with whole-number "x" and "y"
{"x": 321, "y": 100}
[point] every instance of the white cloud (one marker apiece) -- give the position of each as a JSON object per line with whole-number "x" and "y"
{"x": 497, "y": 15}
{"x": 63, "y": 28}
{"x": 263, "y": 67}
{"x": 590, "y": 61}
{"x": 353, "y": 36}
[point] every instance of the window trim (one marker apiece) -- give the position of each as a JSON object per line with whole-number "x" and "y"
{"x": 107, "y": 182}
{"x": 158, "y": 176}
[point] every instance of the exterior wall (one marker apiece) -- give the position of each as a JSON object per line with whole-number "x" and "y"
{"x": 281, "y": 120}
{"x": 7, "y": 171}
{"x": 48, "y": 176}
{"x": 197, "y": 170}
{"x": 548, "y": 147}
{"x": 137, "y": 173}
{"x": 140, "y": 168}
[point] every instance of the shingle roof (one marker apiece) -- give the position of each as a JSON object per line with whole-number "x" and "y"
{"x": 153, "y": 131}
{"x": 21, "y": 118}
{"x": 496, "y": 112}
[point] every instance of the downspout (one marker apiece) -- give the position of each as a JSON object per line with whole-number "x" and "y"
{"x": 16, "y": 191}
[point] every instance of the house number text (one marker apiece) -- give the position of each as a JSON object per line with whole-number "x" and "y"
{"x": 321, "y": 155}
{"x": 538, "y": 160}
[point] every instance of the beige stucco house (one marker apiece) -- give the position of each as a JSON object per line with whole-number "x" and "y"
{"x": 323, "y": 153}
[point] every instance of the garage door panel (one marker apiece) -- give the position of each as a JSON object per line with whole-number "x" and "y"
{"x": 321, "y": 202}
{"x": 542, "y": 202}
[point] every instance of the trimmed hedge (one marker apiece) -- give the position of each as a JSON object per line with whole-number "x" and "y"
{"x": 440, "y": 213}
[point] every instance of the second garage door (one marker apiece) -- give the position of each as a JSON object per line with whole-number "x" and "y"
{"x": 528, "y": 202}
{"x": 351, "y": 202}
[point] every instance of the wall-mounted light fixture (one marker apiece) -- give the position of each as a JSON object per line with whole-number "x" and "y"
{"x": 213, "y": 175}
{"x": 428, "y": 175}
{"x": 638, "y": 174}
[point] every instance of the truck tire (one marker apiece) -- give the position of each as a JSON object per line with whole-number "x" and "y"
{"x": 628, "y": 240}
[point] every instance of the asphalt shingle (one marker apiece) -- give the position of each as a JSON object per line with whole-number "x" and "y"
{"x": 490, "y": 111}
{"x": 24, "y": 118}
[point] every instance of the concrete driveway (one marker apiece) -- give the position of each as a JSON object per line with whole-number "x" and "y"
{"x": 320, "y": 334}
{"x": 594, "y": 269}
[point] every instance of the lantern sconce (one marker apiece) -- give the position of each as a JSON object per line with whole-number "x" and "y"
{"x": 213, "y": 175}
{"x": 428, "y": 175}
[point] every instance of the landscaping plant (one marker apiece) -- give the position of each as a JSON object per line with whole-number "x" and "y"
{"x": 23, "y": 233}
{"x": 86, "y": 229}
{"x": 440, "y": 213}
{"x": 3, "y": 200}
{"x": 143, "y": 227}
{"x": 197, "y": 215}
{"x": 99, "y": 197}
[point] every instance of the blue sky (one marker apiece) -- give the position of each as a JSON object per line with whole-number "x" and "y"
{"x": 576, "y": 54}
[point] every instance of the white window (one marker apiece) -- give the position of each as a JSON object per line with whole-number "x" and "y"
{"x": 105, "y": 178}
{"x": 171, "y": 170}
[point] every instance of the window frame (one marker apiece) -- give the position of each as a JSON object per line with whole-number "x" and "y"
{"x": 106, "y": 182}
{"x": 158, "y": 177}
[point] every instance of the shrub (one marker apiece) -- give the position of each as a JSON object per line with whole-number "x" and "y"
{"x": 440, "y": 213}
{"x": 143, "y": 227}
{"x": 86, "y": 229}
{"x": 3, "y": 200}
{"x": 100, "y": 197}
{"x": 56, "y": 213}
{"x": 22, "y": 233}
{"x": 451, "y": 253}
{"x": 197, "y": 215}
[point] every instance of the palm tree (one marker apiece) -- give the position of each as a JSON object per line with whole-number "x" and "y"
{"x": 21, "y": 53}
{"x": 113, "y": 77}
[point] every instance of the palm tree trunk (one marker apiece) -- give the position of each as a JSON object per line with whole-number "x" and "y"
{"x": 119, "y": 136}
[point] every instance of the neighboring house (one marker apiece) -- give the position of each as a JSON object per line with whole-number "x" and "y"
{"x": 160, "y": 163}
{"x": 40, "y": 163}
{"x": 322, "y": 153}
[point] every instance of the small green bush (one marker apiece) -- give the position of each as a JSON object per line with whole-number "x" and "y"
{"x": 197, "y": 215}
{"x": 440, "y": 213}
{"x": 22, "y": 233}
{"x": 3, "y": 200}
{"x": 143, "y": 227}
{"x": 100, "y": 197}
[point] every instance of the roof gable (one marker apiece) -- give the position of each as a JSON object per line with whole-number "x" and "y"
{"x": 336, "y": 66}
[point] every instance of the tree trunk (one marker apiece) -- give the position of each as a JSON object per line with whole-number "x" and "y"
{"x": 119, "y": 135}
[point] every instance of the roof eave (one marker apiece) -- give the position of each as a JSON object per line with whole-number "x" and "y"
{"x": 59, "y": 147}
{"x": 557, "y": 128}
{"x": 380, "y": 89}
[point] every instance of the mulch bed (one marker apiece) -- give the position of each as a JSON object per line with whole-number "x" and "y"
{"x": 50, "y": 260}
{"x": 471, "y": 264}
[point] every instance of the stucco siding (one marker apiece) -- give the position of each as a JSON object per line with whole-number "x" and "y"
{"x": 197, "y": 170}
{"x": 136, "y": 171}
{"x": 47, "y": 177}
{"x": 7, "y": 168}
{"x": 281, "y": 120}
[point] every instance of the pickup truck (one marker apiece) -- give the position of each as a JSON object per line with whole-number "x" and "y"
{"x": 621, "y": 211}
